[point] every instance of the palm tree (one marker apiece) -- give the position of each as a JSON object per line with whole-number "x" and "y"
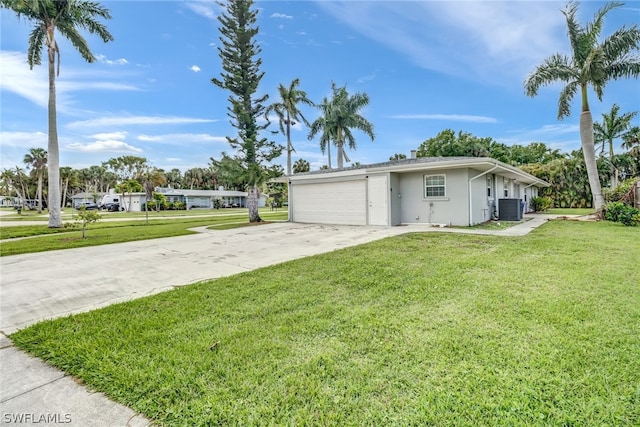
{"x": 341, "y": 114}
{"x": 323, "y": 124}
{"x": 301, "y": 165}
{"x": 631, "y": 140}
{"x": 287, "y": 111}
{"x": 592, "y": 63}
{"x": 68, "y": 17}
{"x": 151, "y": 178}
{"x": 36, "y": 158}
{"x": 612, "y": 127}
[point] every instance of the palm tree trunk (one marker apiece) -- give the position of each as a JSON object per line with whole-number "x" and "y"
{"x": 64, "y": 193}
{"x": 588, "y": 149}
{"x": 329, "y": 153}
{"x": 252, "y": 204}
{"x": 39, "y": 191}
{"x": 289, "y": 148}
{"x": 53, "y": 155}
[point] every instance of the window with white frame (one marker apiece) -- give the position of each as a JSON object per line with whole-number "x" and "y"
{"x": 434, "y": 186}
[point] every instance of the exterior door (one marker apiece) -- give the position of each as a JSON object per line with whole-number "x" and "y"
{"x": 378, "y": 207}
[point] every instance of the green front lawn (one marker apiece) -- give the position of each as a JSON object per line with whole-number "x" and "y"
{"x": 419, "y": 329}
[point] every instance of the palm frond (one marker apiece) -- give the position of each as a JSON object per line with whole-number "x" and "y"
{"x": 36, "y": 43}
{"x": 555, "y": 68}
{"x": 564, "y": 102}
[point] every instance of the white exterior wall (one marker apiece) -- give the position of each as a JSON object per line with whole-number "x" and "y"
{"x": 453, "y": 209}
{"x": 479, "y": 201}
{"x": 395, "y": 201}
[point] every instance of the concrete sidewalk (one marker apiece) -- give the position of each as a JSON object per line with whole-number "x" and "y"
{"x": 35, "y": 287}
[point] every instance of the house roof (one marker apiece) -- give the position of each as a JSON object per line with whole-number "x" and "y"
{"x": 483, "y": 164}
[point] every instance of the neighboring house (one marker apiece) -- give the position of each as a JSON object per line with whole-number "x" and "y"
{"x": 439, "y": 191}
{"x": 136, "y": 199}
{"x": 80, "y": 199}
{"x": 206, "y": 198}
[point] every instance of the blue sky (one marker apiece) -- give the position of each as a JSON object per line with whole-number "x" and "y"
{"x": 426, "y": 66}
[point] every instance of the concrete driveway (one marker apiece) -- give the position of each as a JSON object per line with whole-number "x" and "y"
{"x": 46, "y": 285}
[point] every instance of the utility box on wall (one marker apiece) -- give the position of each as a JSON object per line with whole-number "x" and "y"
{"x": 509, "y": 210}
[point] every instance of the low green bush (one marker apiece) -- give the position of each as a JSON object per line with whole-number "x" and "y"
{"x": 620, "y": 212}
{"x": 540, "y": 204}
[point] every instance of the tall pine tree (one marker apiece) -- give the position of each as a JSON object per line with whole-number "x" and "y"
{"x": 241, "y": 76}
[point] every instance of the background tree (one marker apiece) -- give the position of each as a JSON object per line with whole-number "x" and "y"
{"x": 397, "y": 156}
{"x": 323, "y": 124}
{"x": 36, "y": 159}
{"x": 68, "y": 17}
{"x": 612, "y": 127}
{"x": 127, "y": 168}
{"x": 68, "y": 179}
{"x": 86, "y": 217}
{"x": 592, "y": 63}
{"x": 230, "y": 172}
{"x": 150, "y": 178}
{"x": 341, "y": 116}
{"x": 241, "y": 76}
{"x": 174, "y": 178}
{"x": 301, "y": 165}
{"x": 286, "y": 109}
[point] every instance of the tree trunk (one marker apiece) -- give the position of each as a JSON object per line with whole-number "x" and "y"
{"x": 340, "y": 155}
{"x": 588, "y": 149}
{"x": 252, "y": 204}
{"x": 53, "y": 156}
{"x": 64, "y": 193}
{"x": 39, "y": 191}
{"x": 329, "y": 153}
{"x": 289, "y": 148}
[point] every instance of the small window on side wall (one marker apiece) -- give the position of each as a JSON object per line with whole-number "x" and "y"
{"x": 434, "y": 186}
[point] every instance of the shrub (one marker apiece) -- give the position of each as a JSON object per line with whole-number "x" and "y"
{"x": 540, "y": 204}
{"x": 179, "y": 206}
{"x": 621, "y": 192}
{"x": 619, "y": 212}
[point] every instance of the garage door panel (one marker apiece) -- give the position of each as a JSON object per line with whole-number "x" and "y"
{"x": 330, "y": 203}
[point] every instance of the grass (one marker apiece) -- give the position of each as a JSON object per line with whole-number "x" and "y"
{"x": 420, "y": 329}
{"x": 570, "y": 211}
{"x": 42, "y": 238}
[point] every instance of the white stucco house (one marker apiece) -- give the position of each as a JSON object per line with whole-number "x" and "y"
{"x": 206, "y": 198}
{"x": 447, "y": 191}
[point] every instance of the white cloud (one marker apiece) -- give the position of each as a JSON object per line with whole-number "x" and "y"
{"x": 103, "y": 146}
{"x": 446, "y": 117}
{"x": 475, "y": 40}
{"x": 195, "y": 68}
{"x": 110, "y": 135}
{"x": 281, "y": 16}
{"x": 183, "y": 138}
{"x": 206, "y": 9}
{"x": 109, "y": 142}
{"x": 33, "y": 85}
{"x": 104, "y": 59}
{"x": 16, "y": 77}
{"x": 368, "y": 77}
{"x": 23, "y": 139}
{"x": 69, "y": 86}
{"x": 136, "y": 120}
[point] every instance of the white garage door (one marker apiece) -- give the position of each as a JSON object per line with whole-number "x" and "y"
{"x": 330, "y": 203}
